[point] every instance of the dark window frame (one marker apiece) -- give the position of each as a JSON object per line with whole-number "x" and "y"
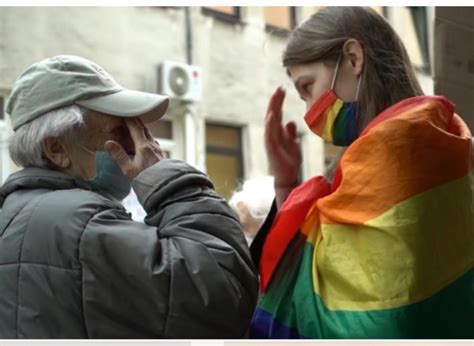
{"x": 230, "y": 18}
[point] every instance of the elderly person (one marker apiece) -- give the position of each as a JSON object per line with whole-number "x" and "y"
{"x": 72, "y": 262}
{"x": 252, "y": 203}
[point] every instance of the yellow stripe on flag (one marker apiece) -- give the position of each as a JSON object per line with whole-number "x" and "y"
{"x": 405, "y": 255}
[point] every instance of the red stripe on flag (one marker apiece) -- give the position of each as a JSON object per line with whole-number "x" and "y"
{"x": 287, "y": 223}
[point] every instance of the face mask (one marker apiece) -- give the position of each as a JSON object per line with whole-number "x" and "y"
{"x": 333, "y": 119}
{"x": 109, "y": 177}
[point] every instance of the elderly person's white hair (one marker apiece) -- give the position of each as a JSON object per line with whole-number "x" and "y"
{"x": 25, "y": 143}
{"x": 252, "y": 203}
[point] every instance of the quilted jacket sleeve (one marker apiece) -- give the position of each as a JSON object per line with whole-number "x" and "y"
{"x": 185, "y": 273}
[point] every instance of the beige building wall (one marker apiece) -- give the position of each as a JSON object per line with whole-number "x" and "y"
{"x": 240, "y": 62}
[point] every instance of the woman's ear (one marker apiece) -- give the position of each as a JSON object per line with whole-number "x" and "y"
{"x": 55, "y": 150}
{"x": 354, "y": 53}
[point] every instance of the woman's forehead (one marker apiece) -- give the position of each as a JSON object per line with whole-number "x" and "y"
{"x": 314, "y": 69}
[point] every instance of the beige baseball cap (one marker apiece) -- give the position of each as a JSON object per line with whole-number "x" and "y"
{"x": 65, "y": 80}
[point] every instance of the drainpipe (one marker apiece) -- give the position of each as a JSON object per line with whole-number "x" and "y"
{"x": 189, "y": 35}
{"x": 190, "y": 126}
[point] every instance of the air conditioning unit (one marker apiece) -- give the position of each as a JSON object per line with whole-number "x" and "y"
{"x": 180, "y": 81}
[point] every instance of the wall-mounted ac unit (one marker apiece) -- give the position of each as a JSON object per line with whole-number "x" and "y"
{"x": 180, "y": 81}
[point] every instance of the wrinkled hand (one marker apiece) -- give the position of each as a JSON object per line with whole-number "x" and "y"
{"x": 281, "y": 144}
{"x": 147, "y": 150}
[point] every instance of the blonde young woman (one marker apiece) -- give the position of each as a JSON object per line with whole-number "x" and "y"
{"x": 385, "y": 249}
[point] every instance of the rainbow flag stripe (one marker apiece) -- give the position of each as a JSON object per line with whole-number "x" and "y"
{"x": 333, "y": 120}
{"x": 387, "y": 249}
{"x": 345, "y": 125}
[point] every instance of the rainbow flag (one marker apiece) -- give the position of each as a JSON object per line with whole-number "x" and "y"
{"x": 387, "y": 249}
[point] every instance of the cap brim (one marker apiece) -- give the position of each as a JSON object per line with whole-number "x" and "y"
{"x": 129, "y": 103}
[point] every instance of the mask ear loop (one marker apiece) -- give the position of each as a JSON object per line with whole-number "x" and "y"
{"x": 358, "y": 87}
{"x": 335, "y": 72}
{"x": 357, "y": 99}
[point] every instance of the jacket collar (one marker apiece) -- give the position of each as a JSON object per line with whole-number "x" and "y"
{"x": 40, "y": 178}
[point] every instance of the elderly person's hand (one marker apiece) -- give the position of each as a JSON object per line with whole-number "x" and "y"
{"x": 147, "y": 150}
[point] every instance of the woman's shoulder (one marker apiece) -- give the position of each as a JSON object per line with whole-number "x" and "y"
{"x": 436, "y": 110}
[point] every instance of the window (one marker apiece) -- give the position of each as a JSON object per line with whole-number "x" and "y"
{"x": 224, "y": 158}
{"x": 226, "y": 13}
{"x": 162, "y": 130}
{"x": 412, "y": 27}
{"x": 420, "y": 21}
{"x": 280, "y": 18}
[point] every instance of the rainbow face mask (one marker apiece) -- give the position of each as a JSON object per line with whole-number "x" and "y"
{"x": 333, "y": 119}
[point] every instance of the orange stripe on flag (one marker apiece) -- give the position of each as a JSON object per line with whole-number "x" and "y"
{"x": 382, "y": 168}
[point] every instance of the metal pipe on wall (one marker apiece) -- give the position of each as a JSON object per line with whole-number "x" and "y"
{"x": 189, "y": 35}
